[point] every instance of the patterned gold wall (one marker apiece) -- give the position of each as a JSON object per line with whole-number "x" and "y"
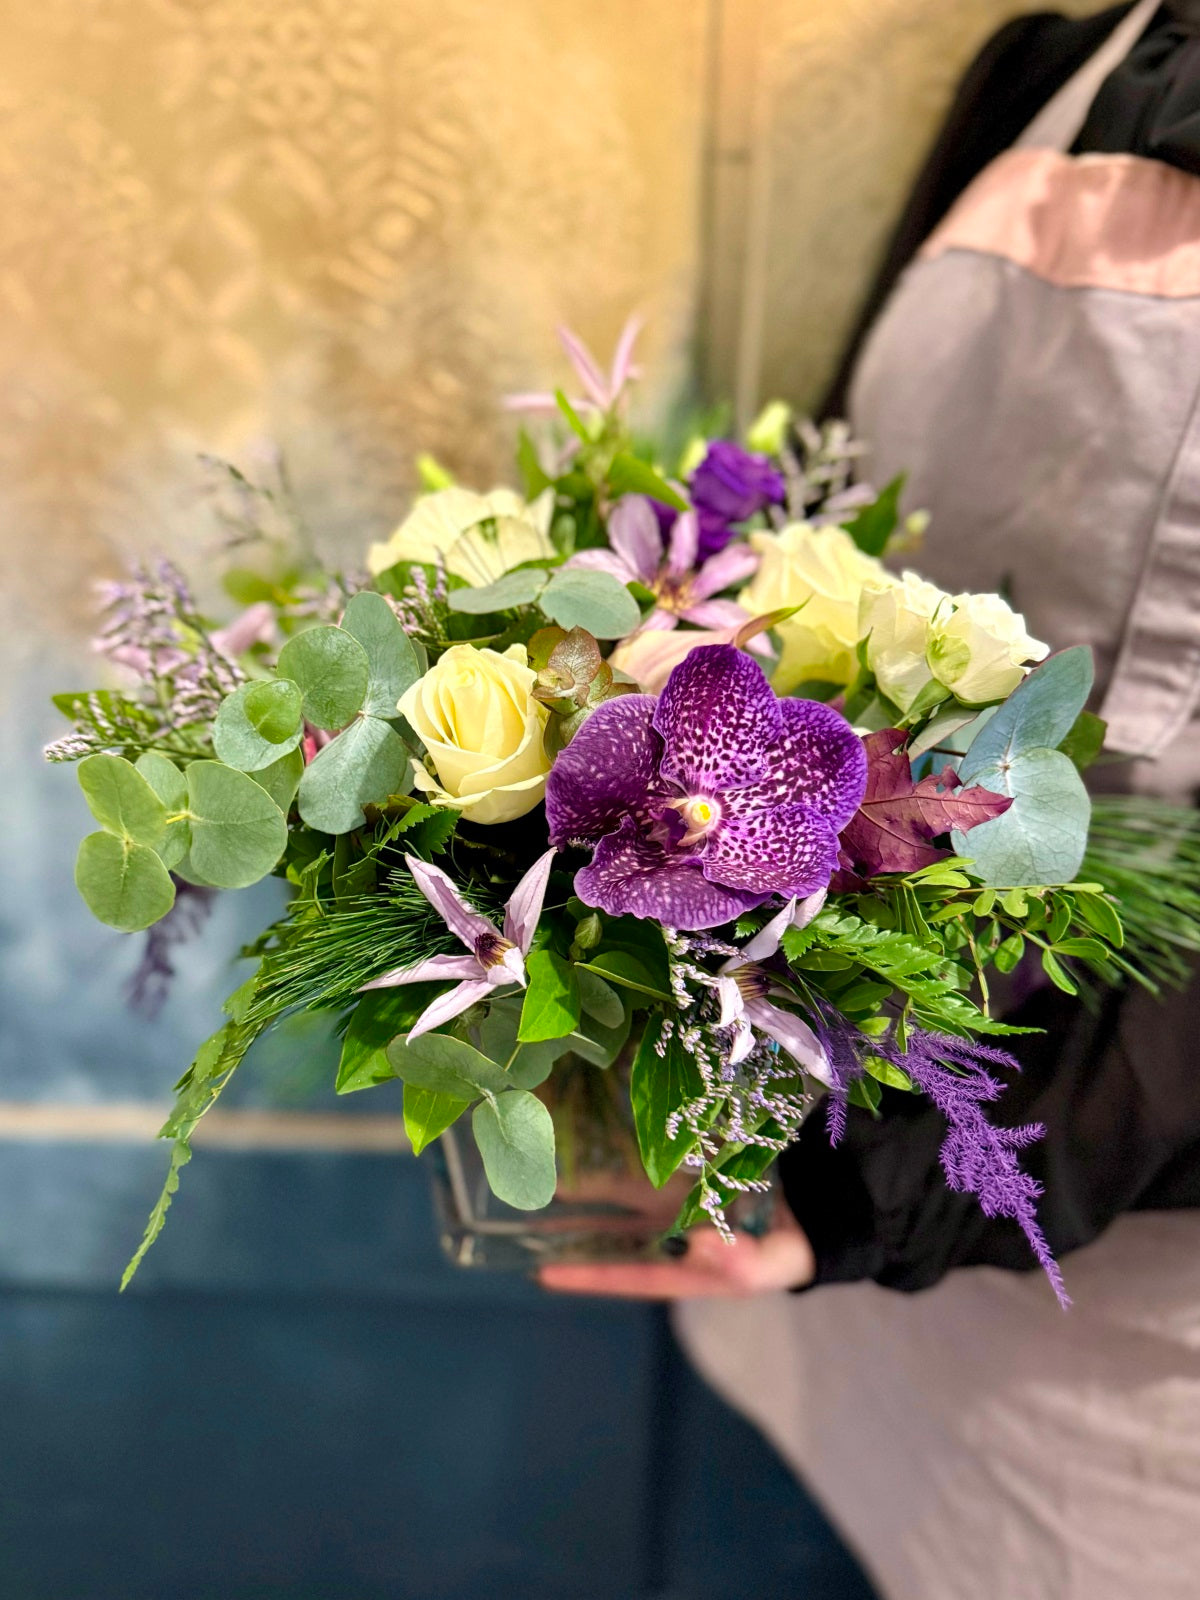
{"x": 349, "y": 225}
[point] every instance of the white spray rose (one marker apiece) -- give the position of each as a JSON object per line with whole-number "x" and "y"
{"x": 897, "y": 622}
{"x": 979, "y": 650}
{"x": 479, "y": 536}
{"x": 824, "y": 571}
{"x": 476, "y": 715}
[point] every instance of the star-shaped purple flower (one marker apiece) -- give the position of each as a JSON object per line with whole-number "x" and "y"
{"x": 707, "y": 800}
{"x": 667, "y": 566}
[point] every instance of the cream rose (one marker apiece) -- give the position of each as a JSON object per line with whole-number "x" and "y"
{"x": 479, "y": 536}
{"x": 979, "y": 649}
{"x": 476, "y": 715}
{"x": 897, "y": 621}
{"x": 823, "y": 571}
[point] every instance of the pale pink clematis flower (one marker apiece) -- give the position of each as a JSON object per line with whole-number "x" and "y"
{"x": 255, "y": 625}
{"x": 601, "y": 392}
{"x": 682, "y": 591}
{"x": 496, "y": 960}
{"x": 744, "y": 989}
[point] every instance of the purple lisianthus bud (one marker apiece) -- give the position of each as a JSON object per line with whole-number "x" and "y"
{"x": 728, "y": 486}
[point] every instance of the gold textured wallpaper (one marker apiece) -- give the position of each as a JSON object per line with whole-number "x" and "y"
{"x": 348, "y": 226}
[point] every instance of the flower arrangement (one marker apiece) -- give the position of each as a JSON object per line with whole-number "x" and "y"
{"x": 657, "y": 769}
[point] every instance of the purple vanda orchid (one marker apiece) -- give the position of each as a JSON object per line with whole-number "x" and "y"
{"x": 746, "y": 993}
{"x": 667, "y": 567}
{"x": 708, "y": 800}
{"x": 496, "y": 960}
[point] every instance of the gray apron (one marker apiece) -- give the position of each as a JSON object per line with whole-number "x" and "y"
{"x": 1037, "y": 373}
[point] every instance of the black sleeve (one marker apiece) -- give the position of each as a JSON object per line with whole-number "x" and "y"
{"x": 1019, "y": 69}
{"x": 1119, "y": 1093}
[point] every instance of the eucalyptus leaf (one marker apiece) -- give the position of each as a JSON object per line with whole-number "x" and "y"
{"x": 1039, "y": 714}
{"x": 331, "y": 670}
{"x": 258, "y": 723}
{"x": 427, "y": 1115}
{"x": 515, "y": 1136}
{"x": 577, "y": 598}
{"x": 170, "y": 785}
{"x": 122, "y": 884}
{"x": 446, "y": 1065}
{"x": 1042, "y": 836}
{"x": 392, "y": 664}
{"x": 527, "y": 1065}
{"x": 238, "y": 832}
{"x": 281, "y": 779}
{"x": 513, "y": 589}
{"x": 364, "y": 765}
{"x": 121, "y": 799}
{"x": 380, "y": 1016}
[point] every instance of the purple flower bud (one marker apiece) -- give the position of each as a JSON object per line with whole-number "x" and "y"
{"x": 728, "y": 486}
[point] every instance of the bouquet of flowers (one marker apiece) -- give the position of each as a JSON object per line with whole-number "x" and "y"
{"x": 651, "y": 772}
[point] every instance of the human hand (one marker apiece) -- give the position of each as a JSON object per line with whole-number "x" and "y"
{"x": 780, "y": 1259}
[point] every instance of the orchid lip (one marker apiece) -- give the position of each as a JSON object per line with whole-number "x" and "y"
{"x": 700, "y": 814}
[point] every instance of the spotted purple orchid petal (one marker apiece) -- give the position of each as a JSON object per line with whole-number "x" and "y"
{"x": 818, "y": 755}
{"x": 762, "y": 850}
{"x": 709, "y": 801}
{"x": 632, "y": 875}
{"x": 717, "y": 716}
{"x": 634, "y": 534}
{"x": 525, "y": 905}
{"x": 612, "y": 773}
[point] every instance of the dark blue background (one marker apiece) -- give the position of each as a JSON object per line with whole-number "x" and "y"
{"x": 299, "y": 1396}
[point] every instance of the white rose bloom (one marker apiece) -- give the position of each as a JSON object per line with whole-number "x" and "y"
{"x": 824, "y": 571}
{"x": 479, "y": 536}
{"x": 475, "y": 713}
{"x": 896, "y": 622}
{"x": 979, "y": 650}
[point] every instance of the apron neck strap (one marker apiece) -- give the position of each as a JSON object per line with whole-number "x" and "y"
{"x": 1058, "y": 122}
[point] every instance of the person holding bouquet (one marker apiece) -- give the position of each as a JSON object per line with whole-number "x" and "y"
{"x": 1031, "y": 357}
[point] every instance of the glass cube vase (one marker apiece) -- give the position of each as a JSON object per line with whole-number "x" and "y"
{"x": 606, "y": 1208}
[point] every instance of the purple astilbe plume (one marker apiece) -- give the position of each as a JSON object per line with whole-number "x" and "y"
{"x": 977, "y": 1157}
{"x": 728, "y": 486}
{"x": 150, "y": 982}
{"x": 708, "y": 800}
{"x": 666, "y": 565}
{"x": 495, "y": 961}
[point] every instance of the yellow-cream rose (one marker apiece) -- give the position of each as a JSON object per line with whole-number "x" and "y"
{"x": 479, "y": 536}
{"x": 978, "y": 650}
{"x": 476, "y": 715}
{"x": 823, "y": 571}
{"x": 896, "y": 621}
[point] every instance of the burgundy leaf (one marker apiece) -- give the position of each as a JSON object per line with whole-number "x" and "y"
{"x": 894, "y": 828}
